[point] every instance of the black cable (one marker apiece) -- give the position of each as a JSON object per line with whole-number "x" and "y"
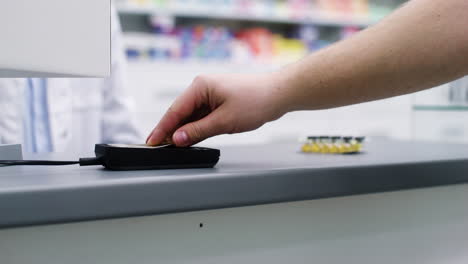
{"x": 90, "y": 161}
{"x": 82, "y": 162}
{"x": 36, "y": 162}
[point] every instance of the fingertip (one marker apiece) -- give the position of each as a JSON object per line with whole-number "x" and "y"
{"x": 156, "y": 137}
{"x": 151, "y": 142}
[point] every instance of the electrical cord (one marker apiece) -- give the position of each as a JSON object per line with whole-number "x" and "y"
{"x": 81, "y": 162}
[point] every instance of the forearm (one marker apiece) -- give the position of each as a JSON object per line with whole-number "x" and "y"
{"x": 423, "y": 44}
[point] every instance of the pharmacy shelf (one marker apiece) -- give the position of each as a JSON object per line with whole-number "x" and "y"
{"x": 200, "y": 66}
{"x": 317, "y": 19}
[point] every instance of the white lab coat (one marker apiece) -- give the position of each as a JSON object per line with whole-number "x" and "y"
{"x": 82, "y": 111}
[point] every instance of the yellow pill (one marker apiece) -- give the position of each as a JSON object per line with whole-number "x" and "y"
{"x": 323, "y": 144}
{"x": 347, "y": 145}
{"x": 315, "y": 148}
{"x": 335, "y": 145}
{"x": 359, "y": 143}
{"x": 342, "y": 148}
{"x": 348, "y": 149}
{"x": 355, "y": 147}
{"x": 333, "y": 149}
{"x": 324, "y": 149}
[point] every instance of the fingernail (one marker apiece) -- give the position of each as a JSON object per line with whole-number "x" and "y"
{"x": 181, "y": 138}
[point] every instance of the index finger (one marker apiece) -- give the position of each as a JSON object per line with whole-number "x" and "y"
{"x": 182, "y": 108}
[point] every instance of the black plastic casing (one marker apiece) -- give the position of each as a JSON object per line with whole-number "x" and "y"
{"x": 170, "y": 157}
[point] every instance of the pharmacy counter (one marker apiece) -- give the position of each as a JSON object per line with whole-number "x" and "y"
{"x": 260, "y": 203}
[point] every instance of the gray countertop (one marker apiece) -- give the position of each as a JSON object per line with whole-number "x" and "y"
{"x": 247, "y": 175}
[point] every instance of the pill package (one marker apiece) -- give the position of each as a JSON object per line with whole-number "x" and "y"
{"x": 333, "y": 145}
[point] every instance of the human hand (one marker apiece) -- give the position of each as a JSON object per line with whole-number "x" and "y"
{"x": 219, "y": 104}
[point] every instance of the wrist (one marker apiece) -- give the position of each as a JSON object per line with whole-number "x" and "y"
{"x": 284, "y": 90}
{"x": 277, "y": 94}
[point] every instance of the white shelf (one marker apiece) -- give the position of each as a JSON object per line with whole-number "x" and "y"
{"x": 317, "y": 19}
{"x": 197, "y": 65}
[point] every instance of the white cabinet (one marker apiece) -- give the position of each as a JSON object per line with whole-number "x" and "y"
{"x": 54, "y": 38}
{"x": 441, "y": 113}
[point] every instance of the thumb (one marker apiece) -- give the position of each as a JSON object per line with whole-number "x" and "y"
{"x": 212, "y": 125}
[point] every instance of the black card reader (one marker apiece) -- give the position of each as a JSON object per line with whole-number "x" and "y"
{"x": 142, "y": 157}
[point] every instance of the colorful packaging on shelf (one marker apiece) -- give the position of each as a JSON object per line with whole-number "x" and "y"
{"x": 296, "y": 9}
